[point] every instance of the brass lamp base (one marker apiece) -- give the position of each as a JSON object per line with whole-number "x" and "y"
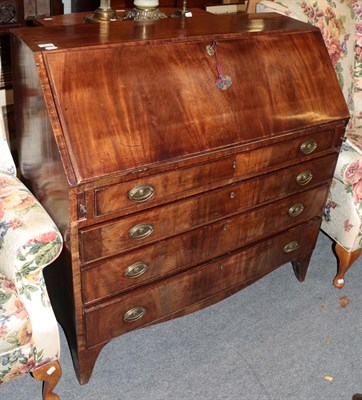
{"x": 144, "y": 14}
{"x": 102, "y": 15}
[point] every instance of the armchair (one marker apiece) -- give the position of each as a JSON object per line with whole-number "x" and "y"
{"x": 341, "y": 25}
{"x": 29, "y": 241}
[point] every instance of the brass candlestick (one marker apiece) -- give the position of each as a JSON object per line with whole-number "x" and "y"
{"x": 104, "y": 13}
{"x": 183, "y": 12}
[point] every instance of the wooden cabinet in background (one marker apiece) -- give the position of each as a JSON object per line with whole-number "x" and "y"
{"x": 11, "y": 14}
{"x": 173, "y": 188}
{"x": 14, "y": 14}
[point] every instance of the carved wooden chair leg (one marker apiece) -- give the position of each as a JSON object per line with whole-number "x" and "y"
{"x": 50, "y": 375}
{"x": 345, "y": 260}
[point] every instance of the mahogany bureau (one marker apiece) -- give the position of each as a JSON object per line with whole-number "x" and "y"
{"x": 173, "y": 188}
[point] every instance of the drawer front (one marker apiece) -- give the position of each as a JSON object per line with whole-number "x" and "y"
{"x": 146, "y": 192}
{"x": 172, "y": 295}
{"x": 199, "y": 245}
{"x": 178, "y": 217}
{"x": 143, "y": 193}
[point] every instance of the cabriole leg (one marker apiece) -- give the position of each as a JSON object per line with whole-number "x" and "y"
{"x": 345, "y": 260}
{"x": 50, "y": 375}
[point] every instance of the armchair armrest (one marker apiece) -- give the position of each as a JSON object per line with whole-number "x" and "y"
{"x": 29, "y": 239}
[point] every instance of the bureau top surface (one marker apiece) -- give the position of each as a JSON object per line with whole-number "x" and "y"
{"x": 169, "y": 29}
{"x": 131, "y": 95}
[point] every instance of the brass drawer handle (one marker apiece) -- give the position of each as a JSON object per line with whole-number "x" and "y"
{"x": 140, "y": 231}
{"x": 308, "y": 146}
{"x": 291, "y": 246}
{"x": 135, "y": 270}
{"x": 141, "y": 193}
{"x": 296, "y": 210}
{"x": 134, "y": 314}
{"x": 304, "y": 177}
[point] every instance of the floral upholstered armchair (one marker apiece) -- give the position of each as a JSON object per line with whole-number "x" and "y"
{"x": 29, "y": 335}
{"x": 340, "y": 22}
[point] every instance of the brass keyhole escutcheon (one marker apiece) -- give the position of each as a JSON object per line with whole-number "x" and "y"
{"x": 304, "y": 177}
{"x": 308, "y": 146}
{"x": 210, "y": 50}
{"x": 134, "y": 314}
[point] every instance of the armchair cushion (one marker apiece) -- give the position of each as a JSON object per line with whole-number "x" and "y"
{"x": 349, "y": 172}
{"x": 341, "y": 218}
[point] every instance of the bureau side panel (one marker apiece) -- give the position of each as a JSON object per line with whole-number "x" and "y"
{"x": 39, "y": 157}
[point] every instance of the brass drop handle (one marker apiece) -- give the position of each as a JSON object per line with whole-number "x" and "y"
{"x": 296, "y": 210}
{"x": 135, "y": 270}
{"x": 308, "y": 146}
{"x": 140, "y": 231}
{"x": 141, "y": 193}
{"x": 291, "y": 246}
{"x": 304, "y": 177}
{"x": 134, "y": 314}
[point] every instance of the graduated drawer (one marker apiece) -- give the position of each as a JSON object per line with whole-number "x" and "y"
{"x": 199, "y": 245}
{"x": 173, "y": 296}
{"x": 144, "y": 192}
{"x": 177, "y": 217}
